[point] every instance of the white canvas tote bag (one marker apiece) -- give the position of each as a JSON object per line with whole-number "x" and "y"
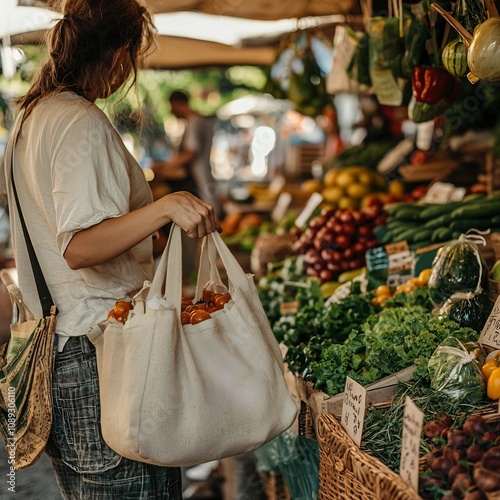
{"x": 179, "y": 395}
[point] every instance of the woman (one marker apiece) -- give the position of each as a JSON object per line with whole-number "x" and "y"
{"x": 90, "y": 216}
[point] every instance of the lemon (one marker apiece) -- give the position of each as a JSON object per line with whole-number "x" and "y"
{"x": 345, "y": 179}
{"x": 396, "y": 188}
{"x": 346, "y": 202}
{"x": 357, "y": 190}
{"x": 332, "y": 194}
{"x": 310, "y": 186}
{"x": 331, "y": 177}
{"x": 365, "y": 178}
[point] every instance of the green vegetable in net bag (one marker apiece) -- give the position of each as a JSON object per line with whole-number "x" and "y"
{"x": 468, "y": 309}
{"x": 454, "y": 369}
{"x": 458, "y": 267}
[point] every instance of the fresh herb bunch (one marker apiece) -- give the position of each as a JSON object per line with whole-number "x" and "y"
{"x": 383, "y": 428}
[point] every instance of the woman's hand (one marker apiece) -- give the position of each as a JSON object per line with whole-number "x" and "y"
{"x": 113, "y": 237}
{"x": 196, "y": 217}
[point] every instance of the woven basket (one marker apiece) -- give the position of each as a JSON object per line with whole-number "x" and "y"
{"x": 347, "y": 473}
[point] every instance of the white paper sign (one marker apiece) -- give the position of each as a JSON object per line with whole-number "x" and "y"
{"x": 312, "y": 204}
{"x": 413, "y": 421}
{"x": 282, "y": 204}
{"x": 491, "y": 330}
{"x": 444, "y": 192}
{"x": 353, "y": 409}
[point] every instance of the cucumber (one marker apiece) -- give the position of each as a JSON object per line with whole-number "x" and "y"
{"x": 465, "y": 224}
{"x": 434, "y": 210}
{"x": 441, "y": 221}
{"x": 495, "y": 220}
{"x": 407, "y": 235}
{"x": 441, "y": 234}
{"x": 479, "y": 209}
{"x": 400, "y": 224}
{"x": 423, "y": 234}
{"x": 410, "y": 212}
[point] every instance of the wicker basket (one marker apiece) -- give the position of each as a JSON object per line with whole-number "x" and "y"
{"x": 346, "y": 472}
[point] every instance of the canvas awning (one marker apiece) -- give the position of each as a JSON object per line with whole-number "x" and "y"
{"x": 249, "y": 9}
{"x": 194, "y": 39}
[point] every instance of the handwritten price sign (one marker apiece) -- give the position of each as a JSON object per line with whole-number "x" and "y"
{"x": 491, "y": 331}
{"x": 353, "y": 409}
{"x": 413, "y": 420}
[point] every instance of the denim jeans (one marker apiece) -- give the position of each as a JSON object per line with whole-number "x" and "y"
{"x": 85, "y": 467}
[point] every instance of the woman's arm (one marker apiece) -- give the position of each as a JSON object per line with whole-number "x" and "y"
{"x": 112, "y": 237}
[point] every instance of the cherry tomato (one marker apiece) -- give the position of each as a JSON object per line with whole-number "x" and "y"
{"x": 198, "y": 316}
{"x": 222, "y": 300}
{"x": 122, "y": 307}
{"x": 190, "y": 309}
{"x": 202, "y": 306}
{"x": 208, "y": 295}
{"x": 185, "y": 318}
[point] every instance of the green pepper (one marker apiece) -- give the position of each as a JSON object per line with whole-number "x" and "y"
{"x": 431, "y": 85}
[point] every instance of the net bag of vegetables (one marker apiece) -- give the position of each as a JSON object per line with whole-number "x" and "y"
{"x": 468, "y": 309}
{"x": 454, "y": 369}
{"x": 458, "y": 267}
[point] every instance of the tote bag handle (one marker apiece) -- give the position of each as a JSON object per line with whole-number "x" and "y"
{"x": 167, "y": 282}
{"x": 208, "y": 271}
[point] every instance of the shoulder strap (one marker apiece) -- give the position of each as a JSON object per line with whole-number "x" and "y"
{"x": 41, "y": 285}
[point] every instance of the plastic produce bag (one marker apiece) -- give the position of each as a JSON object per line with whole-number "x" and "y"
{"x": 458, "y": 267}
{"x": 468, "y": 309}
{"x": 454, "y": 369}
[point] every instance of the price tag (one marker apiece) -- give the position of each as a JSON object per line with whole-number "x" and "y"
{"x": 282, "y": 204}
{"x": 353, "y": 409}
{"x": 491, "y": 330}
{"x": 444, "y": 192}
{"x": 400, "y": 263}
{"x": 413, "y": 420}
{"x": 312, "y": 204}
{"x": 289, "y": 307}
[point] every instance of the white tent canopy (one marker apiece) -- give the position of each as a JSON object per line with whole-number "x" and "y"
{"x": 186, "y": 39}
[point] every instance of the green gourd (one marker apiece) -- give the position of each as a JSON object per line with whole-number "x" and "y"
{"x": 454, "y": 58}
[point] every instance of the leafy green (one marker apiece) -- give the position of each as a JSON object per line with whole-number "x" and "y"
{"x": 388, "y": 342}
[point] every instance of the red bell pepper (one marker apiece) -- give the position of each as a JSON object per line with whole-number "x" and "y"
{"x": 431, "y": 85}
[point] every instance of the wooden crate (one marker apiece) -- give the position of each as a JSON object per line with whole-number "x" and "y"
{"x": 346, "y": 472}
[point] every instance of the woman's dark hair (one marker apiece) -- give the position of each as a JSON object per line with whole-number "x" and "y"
{"x": 83, "y": 48}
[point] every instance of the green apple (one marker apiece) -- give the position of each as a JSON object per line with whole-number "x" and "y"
{"x": 495, "y": 272}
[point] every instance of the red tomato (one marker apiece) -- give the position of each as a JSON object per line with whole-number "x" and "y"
{"x": 208, "y": 295}
{"x": 190, "y": 309}
{"x": 202, "y": 306}
{"x": 222, "y": 300}
{"x": 198, "y": 316}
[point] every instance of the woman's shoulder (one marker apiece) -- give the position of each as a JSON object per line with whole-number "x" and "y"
{"x": 67, "y": 108}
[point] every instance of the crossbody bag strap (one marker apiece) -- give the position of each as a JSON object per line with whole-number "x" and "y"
{"x": 41, "y": 285}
